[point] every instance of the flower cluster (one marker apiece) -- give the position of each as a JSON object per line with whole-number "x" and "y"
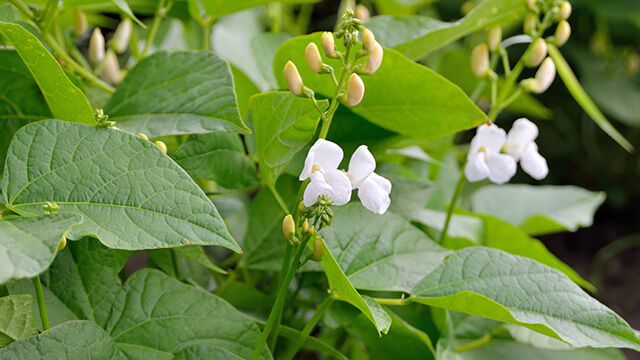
{"x": 321, "y": 166}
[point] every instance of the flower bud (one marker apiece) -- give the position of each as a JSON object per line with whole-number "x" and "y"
{"x": 494, "y": 37}
{"x": 563, "y": 31}
{"x": 80, "y": 24}
{"x": 143, "y": 136}
{"x": 318, "y": 248}
{"x": 545, "y": 75}
{"x": 122, "y": 35}
{"x": 530, "y": 23}
{"x": 111, "y": 70}
{"x": 355, "y": 90}
{"x": 293, "y": 79}
{"x": 373, "y": 60}
{"x": 328, "y": 44}
{"x": 96, "y": 46}
{"x": 531, "y": 4}
{"x": 288, "y": 227}
{"x": 368, "y": 40}
{"x": 480, "y": 60}
{"x": 565, "y": 10}
{"x": 161, "y": 145}
{"x": 305, "y": 226}
{"x": 62, "y": 244}
{"x": 314, "y": 60}
{"x": 362, "y": 13}
{"x": 537, "y": 54}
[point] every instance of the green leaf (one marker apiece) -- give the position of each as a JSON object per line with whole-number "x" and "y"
{"x": 28, "y": 245}
{"x": 65, "y": 100}
{"x": 132, "y": 196}
{"x": 264, "y": 47}
{"x": 180, "y": 92}
{"x": 196, "y": 253}
{"x": 401, "y": 96}
{"x": 283, "y": 124}
{"x": 222, "y": 7}
{"x": 380, "y": 252}
{"x": 581, "y": 97}
{"x": 16, "y": 319}
{"x": 509, "y": 349}
{"x": 217, "y": 156}
{"x": 419, "y": 36}
{"x": 539, "y": 210}
{"x": 20, "y": 96}
{"x": 512, "y": 289}
{"x": 73, "y": 340}
{"x": 122, "y": 5}
{"x": 157, "y": 316}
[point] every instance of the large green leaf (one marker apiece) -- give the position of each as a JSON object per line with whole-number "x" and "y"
{"x": 401, "y": 96}
{"x": 20, "y": 96}
{"x": 28, "y": 245}
{"x": 132, "y": 196}
{"x": 217, "y": 156}
{"x": 157, "y": 316}
{"x": 222, "y": 7}
{"x": 65, "y": 100}
{"x": 380, "y": 252}
{"x": 539, "y": 209}
{"x": 512, "y": 289}
{"x": 73, "y": 340}
{"x": 509, "y": 349}
{"x": 419, "y": 36}
{"x": 16, "y": 319}
{"x": 283, "y": 124}
{"x": 180, "y": 92}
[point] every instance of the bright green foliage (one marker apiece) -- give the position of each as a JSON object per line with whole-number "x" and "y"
{"x": 217, "y": 156}
{"x": 503, "y": 349}
{"x": 221, "y": 7}
{"x": 131, "y": 195}
{"x": 65, "y": 100}
{"x": 20, "y": 94}
{"x": 512, "y": 289}
{"x": 122, "y": 5}
{"x": 180, "y": 92}
{"x": 28, "y": 245}
{"x": 16, "y": 319}
{"x": 197, "y": 254}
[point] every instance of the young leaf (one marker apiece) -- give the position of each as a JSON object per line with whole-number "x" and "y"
{"x": 180, "y": 92}
{"x": 16, "y": 319}
{"x": 197, "y": 254}
{"x": 512, "y": 289}
{"x": 73, "y": 340}
{"x": 132, "y": 196}
{"x": 122, "y": 5}
{"x": 28, "y": 245}
{"x": 21, "y": 95}
{"x": 65, "y": 100}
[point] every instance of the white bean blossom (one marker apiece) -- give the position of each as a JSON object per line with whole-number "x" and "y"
{"x": 485, "y": 160}
{"x": 521, "y": 146}
{"x": 373, "y": 189}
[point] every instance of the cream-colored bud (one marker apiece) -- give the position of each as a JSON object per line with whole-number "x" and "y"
{"x": 494, "y": 37}
{"x": 80, "y": 24}
{"x": 111, "y": 69}
{"x": 531, "y": 4}
{"x": 563, "y": 32}
{"x": 362, "y": 13}
{"x": 355, "y": 90}
{"x": 288, "y": 227}
{"x": 62, "y": 244}
{"x": 318, "y": 248}
{"x": 545, "y": 75}
{"x": 305, "y": 226}
{"x": 565, "y": 10}
{"x": 480, "y": 60}
{"x": 328, "y": 44}
{"x": 293, "y": 79}
{"x": 122, "y": 35}
{"x": 96, "y": 46}
{"x": 161, "y": 145}
{"x": 312, "y": 55}
{"x": 538, "y": 53}
{"x": 530, "y": 23}
{"x": 373, "y": 60}
{"x": 368, "y": 40}
{"x": 143, "y": 136}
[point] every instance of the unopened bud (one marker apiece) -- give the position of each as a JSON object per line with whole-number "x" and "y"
{"x": 314, "y": 60}
{"x": 362, "y": 13}
{"x": 122, "y": 35}
{"x": 538, "y": 53}
{"x": 545, "y": 75}
{"x": 368, "y": 40}
{"x": 80, "y": 24}
{"x": 328, "y": 44}
{"x": 563, "y": 31}
{"x": 62, "y": 244}
{"x": 288, "y": 228}
{"x": 565, "y": 10}
{"x": 494, "y": 37}
{"x": 111, "y": 70}
{"x": 318, "y": 248}
{"x": 355, "y": 90}
{"x": 531, "y": 4}
{"x": 466, "y": 7}
{"x": 305, "y": 226}
{"x": 373, "y": 60}
{"x": 161, "y": 145}
{"x": 293, "y": 79}
{"x": 480, "y": 60}
{"x": 96, "y": 46}
{"x": 143, "y": 136}
{"x": 530, "y": 23}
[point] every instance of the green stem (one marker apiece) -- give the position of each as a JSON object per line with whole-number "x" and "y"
{"x": 452, "y": 206}
{"x": 41, "y": 306}
{"x": 304, "y": 16}
{"x": 279, "y": 199}
{"x": 153, "y": 30}
{"x": 328, "y": 116}
{"x": 49, "y": 14}
{"x": 485, "y": 340}
{"x": 394, "y": 302}
{"x": 286, "y": 265}
{"x": 206, "y": 34}
{"x": 24, "y": 8}
{"x": 322, "y": 308}
{"x": 228, "y": 281}
{"x": 276, "y": 11}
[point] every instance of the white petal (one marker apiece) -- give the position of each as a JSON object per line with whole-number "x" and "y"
{"x": 533, "y": 163}
{"x": 491, "y": 137}
{"x": 502, "y": 167}
{"x": 522, "y": 133}
{"x": 374, "y": 197}
{"x": 323, "y": 153}
{"x": 476, "y": 168}
{"x": 318, "y": 186}
{"x": 340, "y": 186}
{"x": 361, "y": 165}
{"x": 383, "y": 182}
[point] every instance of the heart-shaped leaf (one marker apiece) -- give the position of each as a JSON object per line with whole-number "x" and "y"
{"x": 16, "y": 319}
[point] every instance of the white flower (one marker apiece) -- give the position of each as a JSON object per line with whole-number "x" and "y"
{"x": 521, "y": 146}
{"x": 321, "y": 165}
{"x": 373, "y": 189}
{"x": 485, "y": 160}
